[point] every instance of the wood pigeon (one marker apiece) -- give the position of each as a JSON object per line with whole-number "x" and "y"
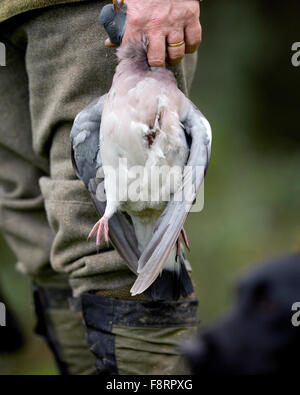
{"x": 144, "y": 122}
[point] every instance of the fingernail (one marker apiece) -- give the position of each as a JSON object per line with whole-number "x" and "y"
{"x": 191, "y": 48}
{"x": 174, "y": 62}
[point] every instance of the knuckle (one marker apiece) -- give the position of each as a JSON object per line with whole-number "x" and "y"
{"x": 134, "y": 19}
{"x": 156, "y": 22}
{"x": 194, "y": 9}
{"x": 177, "y": 14}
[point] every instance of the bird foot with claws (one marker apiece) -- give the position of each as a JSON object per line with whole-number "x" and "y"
{"x": 178, "y": 244}
{"x": 185, "y": 239}
{"x": 99, "y": 227}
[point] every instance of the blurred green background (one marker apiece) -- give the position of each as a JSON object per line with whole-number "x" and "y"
{"x": 249, "y": 90}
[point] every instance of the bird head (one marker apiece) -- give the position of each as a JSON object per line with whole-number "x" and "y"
{"x": 113, "y": 19}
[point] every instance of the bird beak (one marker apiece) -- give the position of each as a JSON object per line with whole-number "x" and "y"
{"x": 109, "y": 44}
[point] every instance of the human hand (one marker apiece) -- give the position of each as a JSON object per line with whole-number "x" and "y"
{"x": 164, "y": 22}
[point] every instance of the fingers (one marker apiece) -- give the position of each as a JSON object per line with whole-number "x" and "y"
{"x": 175, "y": 54}
{"x": 192, "y": 37}
{"x": 156, "y": 50}
{"x": 158, "y": 38}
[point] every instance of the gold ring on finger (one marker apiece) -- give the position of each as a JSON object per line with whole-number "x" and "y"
{"x": 176, "y": 44}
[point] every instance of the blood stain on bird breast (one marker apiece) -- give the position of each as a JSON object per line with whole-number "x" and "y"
{"x": 151, "y": 138}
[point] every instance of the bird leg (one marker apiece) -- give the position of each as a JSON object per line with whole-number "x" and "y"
{"x": 101, "y": 225}
{"x": 178, "y": 248}
{"x": 184, "y": 236}
{"x": 178, "y": 245}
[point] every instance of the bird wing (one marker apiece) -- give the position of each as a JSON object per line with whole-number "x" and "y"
{"x": 87, "y": 163}
{"x": 170, "y": 223}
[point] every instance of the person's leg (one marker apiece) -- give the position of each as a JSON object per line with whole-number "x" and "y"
{"x": 63, "y": 330}
{"x": 23, "y": 220}
{"x": 22, "y": 215}
{"x": 68, "y": 66}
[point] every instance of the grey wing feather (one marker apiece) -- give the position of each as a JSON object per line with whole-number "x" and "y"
{"x": 171, "y": 221}
{"x": 86, "y": 159}
{"x": 85, "y": 140}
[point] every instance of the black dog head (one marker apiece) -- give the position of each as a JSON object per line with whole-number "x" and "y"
{"x": 257, "y": 336}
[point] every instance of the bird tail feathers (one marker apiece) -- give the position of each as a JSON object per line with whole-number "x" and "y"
{"x": 172, "y": 283}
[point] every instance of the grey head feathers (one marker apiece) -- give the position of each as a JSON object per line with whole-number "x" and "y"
{"x": 113, "y": 22}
